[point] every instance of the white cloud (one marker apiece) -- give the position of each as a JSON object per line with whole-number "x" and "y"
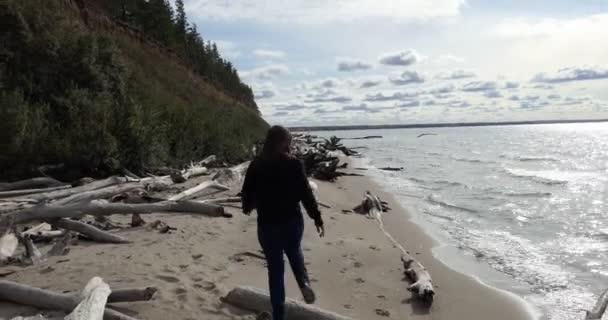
{"x": 479, "y": 86}
{"x": 554, "y": 96}
{"x": 573, "y": 74}
{"x": 402, "y": 58}
{"x": 265, "y": 94}
{"x": 492, "y": 94}
{"x": 370, "y": 83}
{"x": 262, "y": 53}
{"x": 409, "y": 103}
{"x": 322, "y": 11}
{"x": 395, "y": 96}
{"x": 456, "y": 74}
{"x": 407, "y": 77}
{"x": 266, "y": 72}
{"x": 446, "y": 88}
{"x": 360, "y": 107}
{"x": 336, "y": 99}
{"x": 511, "y": 85}
{"x": 350, "y": 64}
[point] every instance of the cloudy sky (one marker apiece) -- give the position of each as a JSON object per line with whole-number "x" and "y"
{"x": 338, "y": 62}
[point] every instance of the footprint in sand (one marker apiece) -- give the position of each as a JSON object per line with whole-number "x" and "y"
{"x": 358, "y": 264}
{"x": 169, "y": 279}
{"x": 383, "y": 313}
{"x": 359, "y": 280}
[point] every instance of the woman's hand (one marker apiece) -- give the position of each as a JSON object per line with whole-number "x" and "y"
{"x": 321, "y": 230}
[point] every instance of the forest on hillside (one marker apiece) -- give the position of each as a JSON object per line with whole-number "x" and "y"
{"x": 94, "y": 100}
{"x": 170, "y": 28}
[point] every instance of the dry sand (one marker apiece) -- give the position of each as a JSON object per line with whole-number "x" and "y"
{"x": 355, "y": 269}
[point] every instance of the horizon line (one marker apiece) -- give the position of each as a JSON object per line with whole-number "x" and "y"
{"x": 439, "y": 125}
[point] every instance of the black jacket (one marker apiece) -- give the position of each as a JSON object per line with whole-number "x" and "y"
{"x": 275, "y": 188}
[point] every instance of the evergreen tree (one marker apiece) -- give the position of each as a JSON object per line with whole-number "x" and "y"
{"x": 180, "y": 18}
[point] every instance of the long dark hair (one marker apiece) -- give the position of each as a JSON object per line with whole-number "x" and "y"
{"x": 278, "y": 141}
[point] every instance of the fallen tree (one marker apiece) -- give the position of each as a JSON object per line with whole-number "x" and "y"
{"x": 257, "y": 300}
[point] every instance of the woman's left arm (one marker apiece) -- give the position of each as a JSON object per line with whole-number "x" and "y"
{"x": 247, "y": 192}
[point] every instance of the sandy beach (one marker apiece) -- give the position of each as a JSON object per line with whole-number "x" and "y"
{"x": 355, "y": 269}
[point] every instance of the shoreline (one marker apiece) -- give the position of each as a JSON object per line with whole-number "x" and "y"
{"x": 447, "y": 254}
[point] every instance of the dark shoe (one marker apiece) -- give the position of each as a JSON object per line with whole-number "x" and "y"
{"x": 308, "y": 294}
{"x": 263, "y": 316}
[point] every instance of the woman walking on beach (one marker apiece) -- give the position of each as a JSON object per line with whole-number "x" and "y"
{"x": 275, "y": 184}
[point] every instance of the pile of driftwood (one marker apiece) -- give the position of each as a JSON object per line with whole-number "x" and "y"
{"x": 54, "y": 212}
{"x": 321, "y": 157}
{"x": 46, "y": 210}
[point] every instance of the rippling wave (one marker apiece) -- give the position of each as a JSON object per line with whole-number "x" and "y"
{"x": 433, "y": 200}
{"x": 533, "y": 176}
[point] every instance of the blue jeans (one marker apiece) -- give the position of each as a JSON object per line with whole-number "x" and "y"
{"x": 276, "y": 239}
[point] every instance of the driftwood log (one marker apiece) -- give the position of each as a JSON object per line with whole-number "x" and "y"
{"x": 201, "y": 187}
{"x": 23, "y": 192}
{"x": 8, "y": 246}
{"x": 94, "y": 298}
{"x": 46, "y": 299}
{"x": 91, "y": 232}
{"x": 76, "y": 190}
{"x": 231, "y": 176}
{"x": 600, "y": 307}
{"x": 371, "y": 206}
{"x": 257, "y": 300}
{"x": 193, "y": 171}
{"x": 103, "y": 208}
{"x": 41, "y": 182}
{"x": 422, "y": 285}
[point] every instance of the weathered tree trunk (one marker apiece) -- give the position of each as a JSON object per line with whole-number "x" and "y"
{"x": 102, "y": 193}
{"x": 232, "y": 176}
{"x": 103, "y": 208}
{"x": 40, "y": 182}
{"x": 194, "y": 171}
{"x": 223, "y": 200}
{"x": 600, "y": 307}
{"x": 93, "y": 303}
{"x": 72, "y": 191}
{"x": 46, "y": 299}
{"x": 256, "y": 300}
{"x": 422, "y": 284}
{"x": 23, "y": 192}
{"x": 89, "y": 231}
{"x": 203, "y": 186}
